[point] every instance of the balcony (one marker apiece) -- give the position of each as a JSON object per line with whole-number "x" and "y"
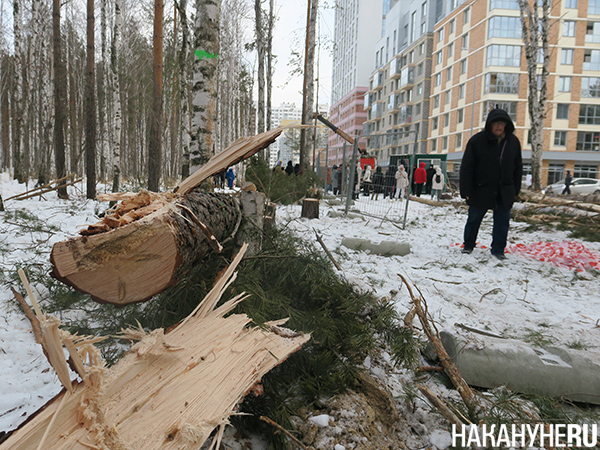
{"x": 392, "y": 105}
{"x": 407, "y": 78}
{"x": 378, "y": 80}
{"x": 366, "y": 104}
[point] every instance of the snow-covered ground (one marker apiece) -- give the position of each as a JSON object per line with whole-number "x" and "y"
{"x": 520, "y": 297}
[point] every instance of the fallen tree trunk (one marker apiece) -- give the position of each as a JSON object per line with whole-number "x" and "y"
{"x": 170, "y": 391}
{"x": 150, "y": 240}
{"x": 134, "y": 262}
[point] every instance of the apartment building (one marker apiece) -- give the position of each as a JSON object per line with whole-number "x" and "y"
{"x": 288, "y": 112}
{"x": 397, "y": 102}
{"x": 478, "y": 60}
{"x": 357, "y": 29}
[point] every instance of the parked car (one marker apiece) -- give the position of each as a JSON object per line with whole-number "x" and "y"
{"x": 579, "y": 186}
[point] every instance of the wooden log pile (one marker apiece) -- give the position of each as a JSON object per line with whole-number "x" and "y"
{"x": 170, "y": 391}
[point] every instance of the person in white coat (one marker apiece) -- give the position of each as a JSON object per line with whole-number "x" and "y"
{"x": 437, "y": 183}
{"x": 367, "y": 180}
{"x": 401, "y": 182}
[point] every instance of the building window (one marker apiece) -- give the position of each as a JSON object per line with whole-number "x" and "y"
{"x": 458, "y": 140}
{"x": 593, "y": 7}
{"x": 564, "y": 84}
{"x": 571, "y": 4}
{"x": 591, "y": 60}
{"x": 556, "y": 173}
{"x": 585, "y": 171}
{"x": 434, "y": 123}
{"x": 569, "y": 28}
{"x": 465, "y": 41}
{"x": 449, "y": 74}
{"x": 451, "y": 50}
{"x": 437, "y": 79}
{"x": 446, "y": 119}
{"x": 509, "y": 107}
{"x": 504, "y": 55}
{"x": 588, "y": 141}
{"x": 436, "y": 101}
{"x": 566, "y": 56}
{"x": 418, "y": 109}
{"x": 420, "y": 89}
{"x": 420, "y": 69}
{"x": 423, "y": 28}
{"x": 562, "y": 111}
{"x": 433, "y": 145}
{"x": 504, "y": 4}
{"x": 463, "y": 66}
{"x": 502, "y": 83}
{"x": 461, "y": 91}
{"x": 438, "y": 57}
{"x": 467, "y": 15}
{"x": 592, "y": 32}
{"x": 445, "y": 142}
{"x": 589, "y": 114}
{"x": 440, "y": 35}
{"x": 422, "y": 48}
{"x": 424, "y": 10}
{"x": 452, "y": 26}
{"x": 506, "y": 27}
{"x": 413, "y": 26}
{"x": 560, "y": 138}
{"x": 590, "y": 87}
{"x": 448, "y": 97}
{"x": 460, "y": 115}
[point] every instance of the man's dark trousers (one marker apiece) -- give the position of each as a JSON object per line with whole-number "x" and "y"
{"x": 499, "y": 230}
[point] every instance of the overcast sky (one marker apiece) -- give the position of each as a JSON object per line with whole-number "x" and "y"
{"x": 289, "y": 36}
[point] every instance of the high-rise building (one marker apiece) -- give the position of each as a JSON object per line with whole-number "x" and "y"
{"x": 357, "y": 27}
{"x": 284, "y": 112}
{"x": 397, "y": 102}
{"x": 479, "y": 64}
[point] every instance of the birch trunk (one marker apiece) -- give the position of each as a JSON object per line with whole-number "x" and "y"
{"x": 270, "y": 27}
{"x": 536, "y": 34}
{"x": 309, "y": 84}
{"x": 102, "y": 92}
{"x": 156, "y": 113}
{"x": 184, "y": 90}
{"x": 116, "y": 99}
{"x": 206, "y": 37}
{"x": 18, "y": 93}
{"x": 260, "y": 51}
{"x": 59, "y": 98}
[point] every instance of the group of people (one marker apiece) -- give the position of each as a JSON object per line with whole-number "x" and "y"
{"x": 394, "y": 182}
{"x": 290, "y": 169}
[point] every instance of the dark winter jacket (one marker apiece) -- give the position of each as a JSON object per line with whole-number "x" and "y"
{"x": 490, "y": 172}
{"x": 378, "y": 181}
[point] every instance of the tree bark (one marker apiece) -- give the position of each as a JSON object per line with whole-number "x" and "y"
{"x": 59, "y": 98}
{"x": 536, "y": 32}
{"x": 260, "y": 51}
{"x": 308, "y": 90}
{"x": 19, "y": 173}
{"x": 116, "y": 99}
{"x": 155, "y": 137}
{"x": 134, "y": 262}
{"x": 90, "y": 106}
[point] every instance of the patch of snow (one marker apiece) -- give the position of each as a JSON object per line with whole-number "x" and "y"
{"x": 321, "y": 420}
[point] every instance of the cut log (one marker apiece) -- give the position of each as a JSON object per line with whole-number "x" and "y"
{"x": 310, "y": 208}
{"x": 132, "y": 263}
{"x": 170, "y": 391}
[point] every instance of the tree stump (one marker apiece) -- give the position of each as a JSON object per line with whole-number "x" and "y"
{"x": 310, "y": 208}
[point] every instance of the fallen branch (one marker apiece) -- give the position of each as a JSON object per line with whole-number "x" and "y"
{"x": 432, "y": 333}
{"x": 320, "y": 240}
{"x": 279, "y": 427}
{"x": 475, "y": 330}
{"x": 71, "y": 175}
{"x": 45, "y": 191}
{"x": 440, "y": 405}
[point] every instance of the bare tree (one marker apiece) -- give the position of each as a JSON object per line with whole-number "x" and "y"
{"x": 309, "y": 84}
{"x": 260, "y": 51}
{"x": 269, "y": 51}
{"x": 59, "y": 97}
{"x": 17, "y": 102}
{"x": 536, "y": 38}
{"x": 204, "y": 89}
{"x": 90, "y": 105}
{"x": 184, "y": 89}
{"x": 155, "y": 141}
{"x": 116, "y": 99}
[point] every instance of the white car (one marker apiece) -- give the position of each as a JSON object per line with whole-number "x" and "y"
{"x": 579, "y": 186}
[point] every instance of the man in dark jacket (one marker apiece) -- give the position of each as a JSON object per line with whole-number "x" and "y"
{"x": 490, "y": 178}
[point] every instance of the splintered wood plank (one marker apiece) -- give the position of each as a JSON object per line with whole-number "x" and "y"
{"x": 241, "y": 149}
{"x": 171, "y": 390}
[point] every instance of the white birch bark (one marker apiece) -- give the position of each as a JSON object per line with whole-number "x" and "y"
{"x": 116, "y": 100}
{"x": 309, "y": 85}
{"x": 185, "y": 89}
{"x": 536, "y": 37}
{"x": 260, "y": 51}
{"x": 206, "y": 38}
{"x": 18, "y": 93}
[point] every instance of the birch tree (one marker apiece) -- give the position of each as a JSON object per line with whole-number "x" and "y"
{"x": 184, "y": 89}
{"x": 309, "y": 85}
{"x": 260, "y": 75}
{"x": 59, "y": 97}
{"x": 18, "y": 93}
{"x": 206, "y": 39}
{"x": 116, "y": 98}
{"x": 269, "y": 51}
{"x": 155, "y": 136}
{"x": 536, "y": 38}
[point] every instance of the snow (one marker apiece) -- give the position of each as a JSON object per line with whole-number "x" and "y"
{"x": 521, "y": 298}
